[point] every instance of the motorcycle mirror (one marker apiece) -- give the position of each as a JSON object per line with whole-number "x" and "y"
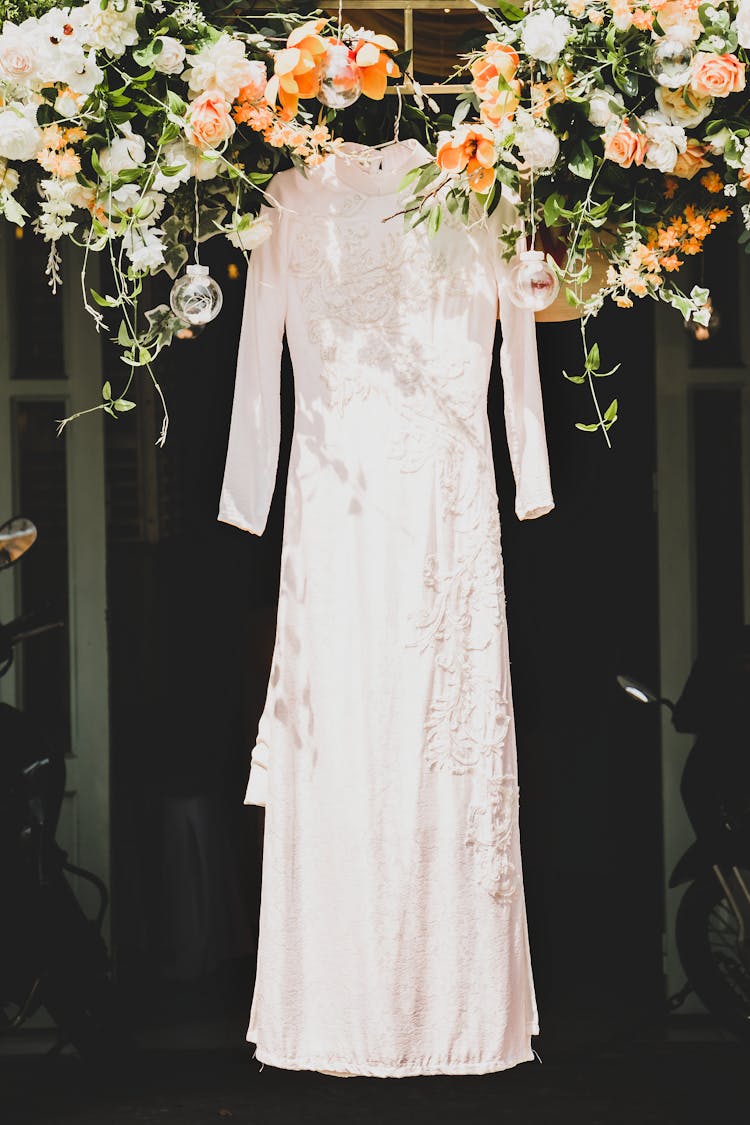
{"x": 636, "y": 690}
{"x": 16, "y": 536}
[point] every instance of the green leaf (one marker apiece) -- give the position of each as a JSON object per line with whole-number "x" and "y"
{"x": 107, "y": 391}
{"x": 592, "y": 359}
{"x": 574, "y": 378}
{"x": 107, "y": 302}
{"x": 610, "y": 414}
{"x": 581, "y": 163}
{"x": 589, "y": 427}
{"x": 122, "y": 405}
{"x": 553, "y": 204}
{"x": 124, "y": 339}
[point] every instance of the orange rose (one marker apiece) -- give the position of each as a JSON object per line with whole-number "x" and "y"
{"x": 498, "y": 61}
{"x": 209, "y": 122}
{"x": 691, "y": 161}
{"x": 625, "y": 147}
{"x": 470, "y": 149}
{"x": 717, "y": 76}
{"x": 375, "y": 65}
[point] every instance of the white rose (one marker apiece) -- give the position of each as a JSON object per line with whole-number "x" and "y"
{"x": 673, "y": 105}
{"x": 20, "y": 136}
{"x": 128, "y": 151}
{"x": 718, "y": 141}
{"x": 18, "y": 57}
{"x": 247, "y": 232}
{"x": 174, "y": 156}
{"x": 742, "y": 23}
{"x": 544, "y": 35}
{"x": 599, "y": 111}
{"x": 171, "y": 58}
{"x": 539, "y": 148}
{"x": 220, "y": 66}
{"x": 143, "y": 247}
{"x": 665, "y": 141}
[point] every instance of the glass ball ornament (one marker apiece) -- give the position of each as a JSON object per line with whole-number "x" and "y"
{"x": 533, "y": 283}
{"x": 340, "y": 78}
{"x": 195, "y": 297}
{"x": 670, "y": 60}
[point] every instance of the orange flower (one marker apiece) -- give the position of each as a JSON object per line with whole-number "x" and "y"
{"x": 63, "y": 163}
{"x": 712, "y": 182}
{"x": 670, "y": 187}
{"x": 720, "y": 214}
{"x": 498, "y": 61}
{"x": 471, "y": 148}
{"x": 670, "y": 263}
{"x": 375, "y": 64}
{"x": 297, "y": 68}
{"x": 258, "y": 117}
{"x": 691, "y": 161}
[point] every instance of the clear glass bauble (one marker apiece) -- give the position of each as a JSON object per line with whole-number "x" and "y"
{"x": 670, "y": 61}
{"x": 533, "y": 283}
{"x": 195, "y": 297}
{"x": 340, "y": 78}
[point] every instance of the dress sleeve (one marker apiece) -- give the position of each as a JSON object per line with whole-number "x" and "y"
{"x": 255, "y": 430}
{"x": 524, "y": 413}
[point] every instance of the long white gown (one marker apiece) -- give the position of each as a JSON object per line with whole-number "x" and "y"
{"x": 393, "y": 935}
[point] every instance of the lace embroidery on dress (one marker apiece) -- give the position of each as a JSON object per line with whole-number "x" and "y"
{"x": 361, "y": 290}
{"x": 491, "y": 834}
{"x": 433, "y": 395}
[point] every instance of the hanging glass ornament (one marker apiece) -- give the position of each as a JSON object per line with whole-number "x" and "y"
{"x": 670, "y": 61}
{"x": 195, "y": 297}
{"x": 533, "y": 283}
{"x": 340, "y": 78}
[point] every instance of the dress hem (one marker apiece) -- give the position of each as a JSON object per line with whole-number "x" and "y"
{"x": 386, "y": 1070}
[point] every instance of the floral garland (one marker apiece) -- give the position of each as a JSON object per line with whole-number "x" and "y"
{"x": 140, "y": 129}
{"x": 623, "y": 125}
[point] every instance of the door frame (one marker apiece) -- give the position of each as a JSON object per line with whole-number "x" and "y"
{"x": 85, "y": 818}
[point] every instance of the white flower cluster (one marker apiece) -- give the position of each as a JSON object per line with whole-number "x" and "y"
{"x": 544, "y": 35}
{"x": 665, "y": 141}
{"x": 538, "y": 146}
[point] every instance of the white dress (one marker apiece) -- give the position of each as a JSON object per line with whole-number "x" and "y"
{"x": 393, "y": 936}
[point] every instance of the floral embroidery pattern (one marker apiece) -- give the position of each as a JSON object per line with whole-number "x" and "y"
{"x": 491, "y": 833}
{"x": 434, "y": 390}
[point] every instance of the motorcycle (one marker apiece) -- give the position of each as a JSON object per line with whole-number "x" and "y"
{"x": 52, "y": 955}
{"x": 712, "y": 928}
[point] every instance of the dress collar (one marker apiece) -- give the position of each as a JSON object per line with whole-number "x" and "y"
{"x": 378, "y": 171}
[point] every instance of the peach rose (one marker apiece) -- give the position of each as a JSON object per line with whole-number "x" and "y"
{"x": 717, "y": 76}
{"x": 208, "y": 122}
{"x": 681, "y": 15}
{"x": 691, "y": 161}
{"x": 624, "y": 147}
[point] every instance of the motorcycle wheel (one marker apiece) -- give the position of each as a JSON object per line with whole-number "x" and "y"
{"x": 708, "y": 942}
